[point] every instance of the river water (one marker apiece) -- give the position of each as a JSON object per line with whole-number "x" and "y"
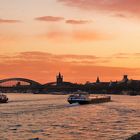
{"x": 50, "y": 117}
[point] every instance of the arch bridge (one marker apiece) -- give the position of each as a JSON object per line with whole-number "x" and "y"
{"x": 19, "y": 85}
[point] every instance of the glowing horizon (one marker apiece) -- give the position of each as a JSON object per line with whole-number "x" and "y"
{"x": 81, "y": 39}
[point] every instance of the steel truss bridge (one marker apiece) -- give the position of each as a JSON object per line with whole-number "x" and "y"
{"x": 21, "y": 85}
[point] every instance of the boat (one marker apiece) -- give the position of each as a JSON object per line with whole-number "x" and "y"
{"x": 3, "y": 98}
{"x": 85, "y": 98}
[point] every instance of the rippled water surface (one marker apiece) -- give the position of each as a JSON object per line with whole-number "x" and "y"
{"x": 50, "y": 117}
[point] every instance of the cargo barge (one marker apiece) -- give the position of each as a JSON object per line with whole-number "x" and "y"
{"x": 85, "y": 98}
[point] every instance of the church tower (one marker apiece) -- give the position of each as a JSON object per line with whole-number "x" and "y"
{"x": 125, "y": 79}
{"x": 59, "y": 79}
{"x": 98, "y": 80}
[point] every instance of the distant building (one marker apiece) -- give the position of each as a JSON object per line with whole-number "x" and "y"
{"x": 125, "y": 79}
{"x": 98, "y": 80}
{"x": 59, "y": 79}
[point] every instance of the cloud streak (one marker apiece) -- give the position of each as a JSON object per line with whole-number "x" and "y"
{"x": 73, "y": 21}
{"x": 57, "y": 19}
{"x": 9, "y": 21}
{"x": 49, "y": 18}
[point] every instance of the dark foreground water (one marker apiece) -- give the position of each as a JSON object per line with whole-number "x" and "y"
{"x": 50, "y": 117}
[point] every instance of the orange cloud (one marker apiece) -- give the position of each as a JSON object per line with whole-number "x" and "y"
{"x": 43, "y": 67}
{"x": 126, "y": 55}
{"x": 40, "y": 56}
{"x": 9, "y": 21}
{"x": 49, "y": 18}
{"x": 87, "y": 35}
{"x": 73, "y": 21}
{"x": 76, "y": 35}
{"x": 121, "y": 6}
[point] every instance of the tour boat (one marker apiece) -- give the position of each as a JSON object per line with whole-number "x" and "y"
{"x": 3, "y": 98}
{"x": 85, "y": 98}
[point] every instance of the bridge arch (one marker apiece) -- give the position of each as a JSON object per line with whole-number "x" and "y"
{"x": 31, "y": 82}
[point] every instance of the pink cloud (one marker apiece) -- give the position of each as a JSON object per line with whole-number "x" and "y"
{"x": 121, "y": 6}
{"x": 73, "y": 21}
{"x": 9, "y": 21}
{"x": 49, "y": 18}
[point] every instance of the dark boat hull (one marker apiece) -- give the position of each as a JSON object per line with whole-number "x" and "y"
{"x": 4, "y": 101}
{"x": 84, "y": 102}
{"x": 72, "y": 102}
{"x": 78, "y": 101}
{"x": 91, "y": 100}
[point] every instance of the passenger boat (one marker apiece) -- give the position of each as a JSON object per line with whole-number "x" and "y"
{"x": 3, "y": 98}
{"x": 85, "y": 98}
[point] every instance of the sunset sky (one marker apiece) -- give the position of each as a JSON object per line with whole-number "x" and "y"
{"x": 82, "y": 39}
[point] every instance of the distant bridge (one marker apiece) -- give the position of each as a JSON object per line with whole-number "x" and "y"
{"x": 19, "y": 85}
{"x": 31, "y": 82}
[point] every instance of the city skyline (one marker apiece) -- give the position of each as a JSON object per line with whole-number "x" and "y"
{"x": 81, "y": 39}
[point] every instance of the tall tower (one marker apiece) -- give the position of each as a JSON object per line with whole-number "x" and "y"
{"x": 98, "y": 80}
{"x": 125, "y": 78}
{"x": 59, "y": 79}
